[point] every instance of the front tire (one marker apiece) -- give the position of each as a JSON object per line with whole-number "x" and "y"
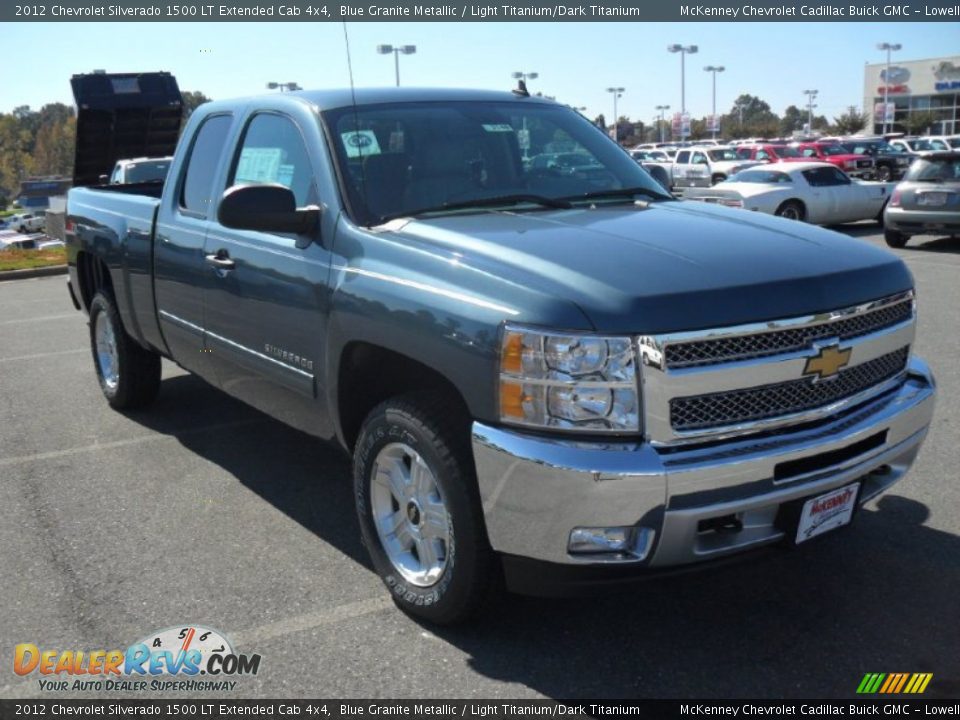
{"x": 884, "y": 173}
{"x": 419, "y": 510}
{"x": 129, "y": 374}
{"x": 792, "y": 210}
{"x": 895, "y": 239}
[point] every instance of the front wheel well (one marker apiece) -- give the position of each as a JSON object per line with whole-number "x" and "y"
{"x": 370, "y": 374}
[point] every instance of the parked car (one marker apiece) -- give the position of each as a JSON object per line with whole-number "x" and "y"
{"x": 18, "y": 241}
{"x": 26, "y": 222}
{"x": 137, "y": 170}
{"x": 657, "y": 163}
{"x": 706, "y": 166}
{"x": 815, "y": 192}
{"x": 853, "y": 164}
{"x": 926, "y": 201}
{"x": 919, "y": 146}
{"x": 542, "y": 379}
{"x": 889, "y": 162}
{"x": 766, "y": 152}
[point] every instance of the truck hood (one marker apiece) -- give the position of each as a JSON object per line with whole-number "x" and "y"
{"x": 666, "y": 266}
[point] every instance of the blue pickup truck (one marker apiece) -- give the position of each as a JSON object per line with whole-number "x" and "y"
{"x": 548, "y": 380}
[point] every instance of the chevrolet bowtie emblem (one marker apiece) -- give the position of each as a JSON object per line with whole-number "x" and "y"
{"x": 827, "y": 362}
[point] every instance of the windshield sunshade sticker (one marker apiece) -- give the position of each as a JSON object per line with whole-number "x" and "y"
{"x": 358, "y": 143}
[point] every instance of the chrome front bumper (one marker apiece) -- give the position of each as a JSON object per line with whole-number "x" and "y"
{"x": 535, "y": 490}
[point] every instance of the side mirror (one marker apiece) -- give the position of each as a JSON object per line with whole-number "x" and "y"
{"x": 103, "y": 179}
{"x": 267, "y": 208}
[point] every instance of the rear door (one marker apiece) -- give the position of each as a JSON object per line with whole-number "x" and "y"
{"x": 267, "y": 296}
{"x": 180, "y": 271}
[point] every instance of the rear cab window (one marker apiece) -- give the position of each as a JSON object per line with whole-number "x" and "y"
{"x": 196, "y": 194}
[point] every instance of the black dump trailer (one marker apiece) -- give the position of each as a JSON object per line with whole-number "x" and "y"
{"x": 123, "y": 115}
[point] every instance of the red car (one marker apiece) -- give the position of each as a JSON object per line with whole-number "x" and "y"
{"x": 767, "y": 152}
{"x": 860, "y": 166}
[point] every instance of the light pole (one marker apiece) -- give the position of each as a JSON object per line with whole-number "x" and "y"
{"x": 288, "y": 86}
{"x": 397, "y": 50}
{"x": 811, "y": 96}
{"x": 683, "y": 50}
{"x": 713, "y": 118}
{"x": 889, "y": 47}
{"x": 617, "y": 92}
{"x": 661, "y": 108}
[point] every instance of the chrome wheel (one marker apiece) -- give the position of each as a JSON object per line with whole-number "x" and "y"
{"x": 107, "y": 359}
{"x": 410, "y": 514}
{"x": 791, "y": 211}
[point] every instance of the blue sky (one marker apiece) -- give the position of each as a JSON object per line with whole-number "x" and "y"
{"x": 576, "y": 61}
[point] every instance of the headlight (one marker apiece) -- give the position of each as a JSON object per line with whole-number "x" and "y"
{"x": 579, "y": 383}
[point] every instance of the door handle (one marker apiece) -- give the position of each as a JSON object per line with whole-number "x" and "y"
{"x": 221, "y": 260}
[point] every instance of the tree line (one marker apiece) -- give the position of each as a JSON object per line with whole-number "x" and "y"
{"x": 750, "y": 116}
{"x": 40, "y": 143}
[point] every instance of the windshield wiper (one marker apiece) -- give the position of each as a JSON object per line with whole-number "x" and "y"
{"x": 617, "y": 193}
{"x": 510, "y": 200}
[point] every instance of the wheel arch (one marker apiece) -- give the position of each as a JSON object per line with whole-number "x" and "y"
{"x": 368, "y": 374}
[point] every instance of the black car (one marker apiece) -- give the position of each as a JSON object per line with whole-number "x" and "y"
{"x": 890, "y": 162}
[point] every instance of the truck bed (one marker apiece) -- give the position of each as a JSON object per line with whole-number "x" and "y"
{"x": 117, "y": 223}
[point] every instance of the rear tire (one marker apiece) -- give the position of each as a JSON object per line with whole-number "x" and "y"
{"x": 895, "y": 239}
{"x": 717, "y": 179}
{"x": 419, "y": 510}
{"x": 792, "y": 210}
{"x": 129, "y": 374}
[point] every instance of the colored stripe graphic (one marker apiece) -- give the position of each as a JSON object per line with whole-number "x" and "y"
{"x": 894, "y": 683}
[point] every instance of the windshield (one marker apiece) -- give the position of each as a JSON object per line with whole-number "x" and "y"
{"x": 723, "y": 154}
{"x": 761, "y": 177}
{"x": 934, "y": 170}
{"x": 834, "y": 150}
{"x": 147, "y": 171}
{"x": 400, "y": 159}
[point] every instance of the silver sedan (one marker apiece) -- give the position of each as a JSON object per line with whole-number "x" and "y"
{"x": 926, "y": 201}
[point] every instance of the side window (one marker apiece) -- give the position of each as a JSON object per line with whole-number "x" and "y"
{"x": 837, "y": 177}
{"x": 273, "y": 152}
{"x": 762, "y": 155}
{"x": 699, "y": 159}
{"x": 809, "y": 152}
{"x": 683, "y": 157}
{"x": 115, "y": 177}
{"x": 197, "y": 191}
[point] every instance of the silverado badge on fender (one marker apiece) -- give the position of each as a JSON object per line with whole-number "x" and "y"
{"x": 827, "y": 362}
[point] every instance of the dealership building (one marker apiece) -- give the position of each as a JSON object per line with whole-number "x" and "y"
{"x": 918, "y": 86}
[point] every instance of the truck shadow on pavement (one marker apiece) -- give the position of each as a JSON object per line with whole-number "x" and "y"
{"x": 877, "y": 597}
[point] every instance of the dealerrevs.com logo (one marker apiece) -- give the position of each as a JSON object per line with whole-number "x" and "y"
{"x": 192, "y": 658}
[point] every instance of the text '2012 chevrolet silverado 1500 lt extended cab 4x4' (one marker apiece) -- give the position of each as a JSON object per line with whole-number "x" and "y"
{"x": 556, "y": 379}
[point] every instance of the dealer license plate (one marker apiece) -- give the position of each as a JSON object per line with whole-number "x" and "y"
{"x": 827, "y": 512}
{"x": 932, "y": 199}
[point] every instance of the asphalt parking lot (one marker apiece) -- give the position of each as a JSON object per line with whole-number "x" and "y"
{"x": 201, "y": 510}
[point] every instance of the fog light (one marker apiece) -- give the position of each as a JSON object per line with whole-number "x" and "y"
{"x": 632, "y": 541}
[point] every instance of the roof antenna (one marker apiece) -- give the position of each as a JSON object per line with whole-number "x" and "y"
{"x": 521, "y": 89}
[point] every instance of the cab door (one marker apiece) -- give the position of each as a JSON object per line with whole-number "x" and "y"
{"x": 267, "y": 296}
{"x": 180, "y": 272}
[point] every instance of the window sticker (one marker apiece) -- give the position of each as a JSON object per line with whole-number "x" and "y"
{"x": 285, "y": 175}
{"x": 361, "y": 142}
{"x": 499, "y": 127}
{"x": 258, "y": 165}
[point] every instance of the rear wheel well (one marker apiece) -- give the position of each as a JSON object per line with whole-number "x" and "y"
{"x": 370, "y": 374}
{"x": 92, "y": 276}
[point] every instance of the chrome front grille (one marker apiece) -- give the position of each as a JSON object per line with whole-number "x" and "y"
{"x": 760, "y": 344}
{"x": 732, "y": 381}
{"x": 759, "y": 403}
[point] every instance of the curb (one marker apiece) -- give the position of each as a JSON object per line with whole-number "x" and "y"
{"x": 33, "y": 272}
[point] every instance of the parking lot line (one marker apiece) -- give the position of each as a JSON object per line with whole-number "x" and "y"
{"x": 38, "y": 356}
{"x": 311, "y": 620}
{"x": 42, "y": 318}
{"x": 154, "y": 437}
